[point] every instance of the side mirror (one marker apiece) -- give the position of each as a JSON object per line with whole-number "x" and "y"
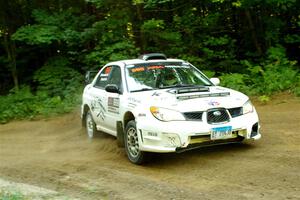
{"x": 112, "y": 88}
{"x": 215, "y": 81}
{"x": 89, "y": 76}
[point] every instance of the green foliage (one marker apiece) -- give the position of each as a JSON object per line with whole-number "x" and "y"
{"x": 278, "y": 73}
{"x": 195, "y": 60}
{"x": 273, "y": 28}
{"x": 17, "y": 104}
{"x": 296, "y": 91}
{"x": 59, "y": 86}
{"x": 296, "y": 86}
{"x": 277, "y": 54}
{"x": 220, "y": 51}
{"x": 153, "y": 25}
{"x": 209, "y": 74}
{"x": 57, "y": 78}
{"x": 37, "y": 34}
{"x": 152, "y": 3}
{"x": 236, "y": 81}
{"x": 292, "y": 38}
{"x": 118, "y": 51}
{"x": 264, "y": 99}
{"x": 275, "y": 74}
{"x": 4, "y": 195}
{"x": 58, "y": 90}
{"x": 250, "y": 43}
{"x": 160, "y": 37}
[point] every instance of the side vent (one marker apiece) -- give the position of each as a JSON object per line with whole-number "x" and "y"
{"x": 153, "y": 56}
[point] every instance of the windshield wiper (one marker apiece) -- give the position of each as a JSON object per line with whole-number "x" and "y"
{"x": 141, "y": 90}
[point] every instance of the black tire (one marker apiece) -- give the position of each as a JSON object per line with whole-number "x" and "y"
{"x": 90, "y": 125}
{"x": 132, "y": 146}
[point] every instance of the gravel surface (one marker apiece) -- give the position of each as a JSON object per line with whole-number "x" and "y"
{"x": 56, "y": 154}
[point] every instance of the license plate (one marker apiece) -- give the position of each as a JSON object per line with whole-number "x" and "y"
{"x": 220, "y": 133}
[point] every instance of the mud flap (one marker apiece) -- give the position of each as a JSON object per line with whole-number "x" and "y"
{"x": 120, "y": 134}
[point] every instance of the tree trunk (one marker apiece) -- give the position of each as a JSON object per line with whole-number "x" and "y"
{"x": 143, "y": 42}
{"x": 10, "y": 48}
{"x": 253, "y": 32}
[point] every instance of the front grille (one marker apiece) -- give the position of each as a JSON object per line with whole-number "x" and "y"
{"x": 235, "y": 112}
{"x": 217, "y": 115}
{"x": 193, "y": 116}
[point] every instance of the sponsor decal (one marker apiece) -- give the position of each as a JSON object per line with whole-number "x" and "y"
{"x": 97, "y": 106}
{"x": 103, "y": 75}
{"x": 144, "y": 68}
{"x": 155, "y": 67}
{"x": 142, "y": 115}
{"x": 131, "y": 105}
{"x": 155, "y": 94}
{"x": 113, "y": 105}
{"x": 153, "y": 134}
{"x": 103, "y": 79}
{"x": 213, "y": 103}
{"x": 133, "y": 100}
{"x": 177, "y": 66}
{"x": 138, "y": 69}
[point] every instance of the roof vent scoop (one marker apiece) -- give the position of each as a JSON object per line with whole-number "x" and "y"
{"x": 153, "y": 56}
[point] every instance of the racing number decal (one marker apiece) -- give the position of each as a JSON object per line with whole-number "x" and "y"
{"x": 113, "y": 105}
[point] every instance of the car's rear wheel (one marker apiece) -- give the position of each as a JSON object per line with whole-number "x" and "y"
{"x": 90, "y": 125}
{"x": 132, "y": 144}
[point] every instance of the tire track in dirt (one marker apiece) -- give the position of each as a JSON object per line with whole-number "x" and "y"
{"x": 55, "y": 153}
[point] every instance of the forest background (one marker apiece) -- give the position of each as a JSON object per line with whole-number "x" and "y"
{"x": 47, "y": 46}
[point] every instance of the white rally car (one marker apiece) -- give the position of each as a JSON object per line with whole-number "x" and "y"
{"x": 155, "y": 104}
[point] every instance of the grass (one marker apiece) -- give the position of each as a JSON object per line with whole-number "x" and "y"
{"x": 4, "y": 195}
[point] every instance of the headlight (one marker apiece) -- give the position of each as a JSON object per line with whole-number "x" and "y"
{"x": 164, "y": 114}
{"x": 247, "y": 107}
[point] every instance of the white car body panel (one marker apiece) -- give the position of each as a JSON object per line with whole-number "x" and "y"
{"x": 159, "y": 136}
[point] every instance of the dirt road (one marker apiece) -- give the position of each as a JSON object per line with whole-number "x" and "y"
{"x": 55, "y": 154}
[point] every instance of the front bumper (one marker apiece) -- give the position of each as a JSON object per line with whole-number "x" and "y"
{"x": 178, "y": 136}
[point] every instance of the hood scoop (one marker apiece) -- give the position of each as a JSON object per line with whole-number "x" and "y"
{"x": 188, "y": 90}
{"x": 222, "y": 94}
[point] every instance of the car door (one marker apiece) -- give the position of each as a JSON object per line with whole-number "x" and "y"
{"x": 99, "y": 99}
{"x": 105, "y": 105}
{"x": 114, "y": 100}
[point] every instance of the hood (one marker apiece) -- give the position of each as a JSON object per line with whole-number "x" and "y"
{"x": 191, "y": 101}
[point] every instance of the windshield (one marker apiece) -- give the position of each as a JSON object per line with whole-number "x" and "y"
{"x": 151, "y": 76}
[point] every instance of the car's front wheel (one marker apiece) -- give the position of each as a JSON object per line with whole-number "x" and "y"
{"x": 132, "y": 144}
{"x": 90, "y": 125}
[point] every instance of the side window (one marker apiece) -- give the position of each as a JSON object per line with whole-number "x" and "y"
{"x": 102, "y": 79}
{"x": 115, "y": 77}
{"x": 110, "y": 75}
